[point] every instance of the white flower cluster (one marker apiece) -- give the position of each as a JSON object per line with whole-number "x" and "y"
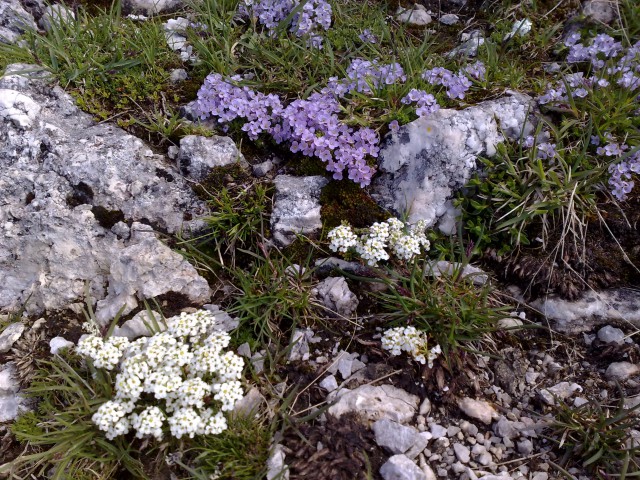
{"x": 181, "y": 378}
{"x": 405, "y": 241}
{"x": 412, "y": 341}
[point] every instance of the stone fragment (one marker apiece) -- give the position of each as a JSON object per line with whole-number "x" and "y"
{"x": 462, "y": 452}
{"x": 58, "y": 344}
{"x": 249, "y": 404}
{"x": 296, "y": 208}
{"x": 609, "y": 334}
{"x": 151, "y": 7}
{"x": 142, "y": 324}
{"x": 470, "y": 44}
{"x": 300, "y": 344}
{"x": 621, "y": 371}
{"x": 329, "y": 383}
{"x": 10, "y": 335}
{"x": 11, "y": 402}
{"x": 562, "y": 391}
{"x": 600, "y": 11}
{"x": 198, "y": 155}
{"x": 438, "y": 431}
{"x": 425, "y": 406}
{"x": 276, "y": 468}
{"x": 449, "y": 19}
{"x": 426, "y": 161}
{"x": 396, "y": 438}
{"x": 417, "y": 16}
{"x": 178, "y": 75}
{"x": 525, "y": 447}
{"x": 261, "y": 169}
{"x": 244, "y": 350}
{"x": 56, "y": 14}
{"x": 421, "y": 443}
{"x": 14, "y": 21}
{"x": 334, "y": 294}
{"x": 400, "y": 467}
{"x": 478, "y": 409}
{"x": 373, "y": 403}
{"x": 444, "y": 267}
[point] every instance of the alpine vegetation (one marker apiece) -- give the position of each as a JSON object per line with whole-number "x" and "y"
{"x": 181, "y": 378}
{"x": 411, "y": 340}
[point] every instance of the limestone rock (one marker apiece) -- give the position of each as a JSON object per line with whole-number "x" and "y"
{"x": 449, "y": 19}
{"x": 478, "y": 409}
{"x": 151, "y": 7}
{"x": 396, "y": 438}
{"x": 377, "y": 402}
{"x": 400, "y": 467}
{"x": 14, "y": 21}
{"x": 10, "y": 335}
{"x": 471, "y": 42}
{"x": 11, "y": 402}
{"x": 621, "y": 371}
{"x": 56, "y": 14}
{"x": 57, "y": 344}
{"x": 600, "y": 11}
{"x": 561, "y": 391}
{"x": 64, "y": 183}
{"x": 296, "y": 208}
{"x": 198, "y": 155}
{"x": 417, "y": 16}
{"x": 334, "y": 294}
{"x": 609, "y": 334}
{"x": 425, "y": 162}
{"x": 276, "y": 468}
{"x": 142, "y": 324}
{"x": 591, "y": 309}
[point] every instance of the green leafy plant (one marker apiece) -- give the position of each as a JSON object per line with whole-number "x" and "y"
{"x": 597, "y": 437}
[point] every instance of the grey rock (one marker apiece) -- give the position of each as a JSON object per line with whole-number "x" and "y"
{"x": 449, "y": 19}
{"x": 10, "y": 335}
{"x": 329, "y": 383}
{"x": 334, "y": 294}
{"x": 151, "y": 7}
{"x": 469, "y": 428}
{"x": 621, "y": 371}
{"x": 300, "y": 344}
{"x": 178, "y": 75}
{"x": 296, "y": 208}
{"x": 276, "y": 468}
{"x": 57, "y": 344}
{"x": 222, "y": 320}
{"x": 609, "y": 334}
{"x": 262, "y": 169}
{"x": 142, "y": 324}
{"x": 591, "y": 309}
{"x": 56, "y": 14}
{"x": 425, "y": 406}
{"x": 198, "y": 155}
{"x": 438, "y": 431}
{"x": 14, "y": 21}
{"x": 425, "y": 162}
{"x": 377, "y": 402}
{"x": 462, "y": 452}
{"x": 396, "y": 438}
{"x": 444, "y": 267}
{"x": 324, "y": 266}
{"x": 478, "y": 409}
{"x": 509, "y": 323}
{"x": 244, "y": 350}
{"x": 562, "y": 391}
{"x": 469, "y": 46}
{"x": 122, "y": 230}
{"x": 540, "y": 476}
{"x": 417, "y": 16}
{"x": 400, "y": 467}
{"x": 421, "y": 443}
{"x": 61, "y": 178}
{"x": 11, "y": 401}
{"x": 525, "y": 447}
{"x": 600, "y": 11}
{"x": 249, "y": 404}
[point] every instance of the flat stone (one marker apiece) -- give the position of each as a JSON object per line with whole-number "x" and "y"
{"x": 417, "y": 16}
{"x": 525, "y": 447}
{"x": 296, "y": 207}
{"x": 449, "y": 19}
{"x": 477, "y": 409}
{"x": 142, "y": 324}
{"x": 609, "y": 334}
{"x": 151, "y": 7}
{"x": 600, "y": 11}
{"x": 621, "y": 371}
{"x": 562, "y": 391}
{"x": 462, "y": 452}
{"x": 244, "y": 350}
{"x": 57, "y": 344}
{"x": 14, "y": 21}
{"x": 178, "y": 75}
{"x": 276, "y": 467}
{"x": 10, "y": 335}
{"x": 11, "y": 402}
{"x": 249, "y": 404}
{"x": 262, "y": 169}
{"x": 438, "y": 431}
{"x": 329, "y": 383}
{"x": 335, "y": 295}
{"x": 396, "y": 438}
{"x": 400, "y": 467}
{"x": 56, "y": 15}
{"x": 421, "y": 443}
{"x": 374, "y": 403}
{"x": 198, "y": 155}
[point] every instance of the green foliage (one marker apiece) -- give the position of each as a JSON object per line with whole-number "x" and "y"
{"x": 597, "y": 437}
{"x": 520, "y": 193}
{"x": 61, "y": 433}
{"x": 449, "y": 307}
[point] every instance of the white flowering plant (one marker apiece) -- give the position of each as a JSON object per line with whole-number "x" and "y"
{"x": 375, "y": 243}
{"x": 411, "y": 340}
{"x": 180, "y": 380}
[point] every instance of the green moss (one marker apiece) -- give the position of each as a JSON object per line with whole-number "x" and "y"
{"x": 345, "y": 200}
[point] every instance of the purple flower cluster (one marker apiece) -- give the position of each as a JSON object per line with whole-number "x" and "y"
{"x": 621, "y": 182}
{"x": 601, "y": 47}
{"x": 544, "y": 149}
{"x": 426, "y": 102}
{"x": 365, "y": 76}
{"x": 310, "y": 126}
{"x": 456, "y": 84}
{"x": 315, "y": 14}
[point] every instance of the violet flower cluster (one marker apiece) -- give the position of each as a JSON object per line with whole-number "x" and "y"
{"x": 456, "y": 84}
{"x": 315, "y": 15}
{"x": 310, "y": 126}
{"x": 365, "y": 76}
{"x": 621, "y": 179}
